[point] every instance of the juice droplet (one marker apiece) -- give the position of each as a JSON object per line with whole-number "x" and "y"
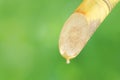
{"x": 68, "y": 61}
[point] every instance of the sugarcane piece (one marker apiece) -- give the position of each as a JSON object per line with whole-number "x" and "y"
{"x": 80, "y": 26}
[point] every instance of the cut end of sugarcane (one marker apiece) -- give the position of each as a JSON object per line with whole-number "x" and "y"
{"x": 73, "y": 36}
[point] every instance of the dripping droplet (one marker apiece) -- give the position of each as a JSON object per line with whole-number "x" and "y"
{"x": 68, "y": 61}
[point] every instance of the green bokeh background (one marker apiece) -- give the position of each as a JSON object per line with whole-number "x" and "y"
{"x": 29, "y": 33}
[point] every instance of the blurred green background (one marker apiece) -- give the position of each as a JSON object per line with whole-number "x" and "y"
{"x": 29, "y": 33}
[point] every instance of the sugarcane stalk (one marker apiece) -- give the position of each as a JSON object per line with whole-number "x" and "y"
{"x": 80, "y": 26}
